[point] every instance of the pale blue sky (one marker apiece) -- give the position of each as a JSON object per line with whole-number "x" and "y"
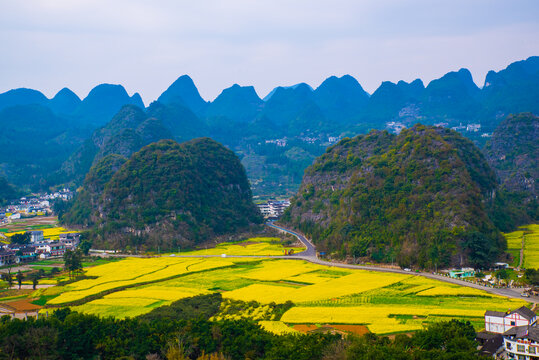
{"x": 146, "y": 45}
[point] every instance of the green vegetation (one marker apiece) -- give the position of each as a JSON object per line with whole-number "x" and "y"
{"x": 415, "y": 198}
{"x": 7, "y": 192}
{"x": 185, "y": 332}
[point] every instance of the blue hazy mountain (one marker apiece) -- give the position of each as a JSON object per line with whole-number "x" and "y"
{"x": 512, "y": 90}
{"x": 22, "y": 96}
{"x": 341, "y": 98}
{"x": 240, "y": 103}
{"x": 103, "y": 102}
{"x": 184, "y": 92}
{"x": 286, "y": 103}
{"x": 64, "y": 102}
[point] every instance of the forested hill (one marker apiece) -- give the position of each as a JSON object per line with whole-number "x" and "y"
{"x": 513, "y": 153}
{"x": 413, "y": 198}
{"x": 171, "y": 194}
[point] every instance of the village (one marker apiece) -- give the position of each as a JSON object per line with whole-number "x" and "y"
{"x": 38, "y": 247}
{"x": 38, "y": 205}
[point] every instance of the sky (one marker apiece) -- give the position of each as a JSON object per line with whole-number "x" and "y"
{"x": 146, "y": 45}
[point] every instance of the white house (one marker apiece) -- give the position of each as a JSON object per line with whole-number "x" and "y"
{"x": 500, "y": 322}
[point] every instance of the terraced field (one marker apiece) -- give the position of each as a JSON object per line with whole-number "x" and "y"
{"x": 529, "y": 236}
{"x": 254, "y": 288}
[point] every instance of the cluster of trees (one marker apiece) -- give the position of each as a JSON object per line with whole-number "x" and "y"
{"x": 21, "y": 239}
{"x": 19, "y": 277}
{"x": 73, "y": 262}
{"x": 183, "y": 331}
{"x": 416, "y": 198}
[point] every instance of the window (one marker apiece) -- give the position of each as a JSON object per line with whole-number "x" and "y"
{"x": 521, "y": 348}
{"x": 531, "y": 349}
{"x": 512, "y": 323}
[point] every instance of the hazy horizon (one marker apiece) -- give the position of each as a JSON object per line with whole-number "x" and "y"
{"x": 48, "y": 45}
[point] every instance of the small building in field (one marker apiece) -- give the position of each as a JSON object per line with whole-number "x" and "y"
{"x": 462, "y": 273}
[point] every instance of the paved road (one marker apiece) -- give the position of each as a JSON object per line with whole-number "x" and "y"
{"x": 310, "y": 251}
{"x": 310, "y": 255}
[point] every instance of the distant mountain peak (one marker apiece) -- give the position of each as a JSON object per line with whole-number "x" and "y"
{"x": 22, "y": 96}
{"x": 456, "y": 83}
{"x": 237, "y": 102}
{"x": 64, "y": 102}
{"x": 301, "y": 86}
{"x": 184, "y": 91}
{"x": 137, "y": 100}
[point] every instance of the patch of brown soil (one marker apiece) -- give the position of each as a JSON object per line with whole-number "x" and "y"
{"x": 354, "y": 329}
{"x": 23, "y": 305}
{"x": 305, "y": 327}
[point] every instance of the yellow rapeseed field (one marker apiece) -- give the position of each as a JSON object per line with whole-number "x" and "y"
{"x": 277, "y": 327}
{"x": 253, "y": 246}
{"x": 133, "y": 271}
{"x": 274, "y": 270}
{"x": 156, "y": 293}
{"x": 357, "y": 282}
{"x": 451, "y": 291}
{"x": 384, "y": 302}
{"x": 378, "y": 318}
{"x": 119, "y": 308}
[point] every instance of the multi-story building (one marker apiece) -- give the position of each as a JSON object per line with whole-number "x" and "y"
{"x": 522, "y": 342}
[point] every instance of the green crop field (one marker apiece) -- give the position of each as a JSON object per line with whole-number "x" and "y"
{"x": 529, "y": 236}
{"x": 253, "y": 288}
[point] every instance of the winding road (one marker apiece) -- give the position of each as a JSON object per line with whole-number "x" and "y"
{"x": 310, "y": 255}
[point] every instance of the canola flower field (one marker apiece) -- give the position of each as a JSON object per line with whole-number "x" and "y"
{"x": 384, "y": 302}
{"x": 253, "y": 246}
